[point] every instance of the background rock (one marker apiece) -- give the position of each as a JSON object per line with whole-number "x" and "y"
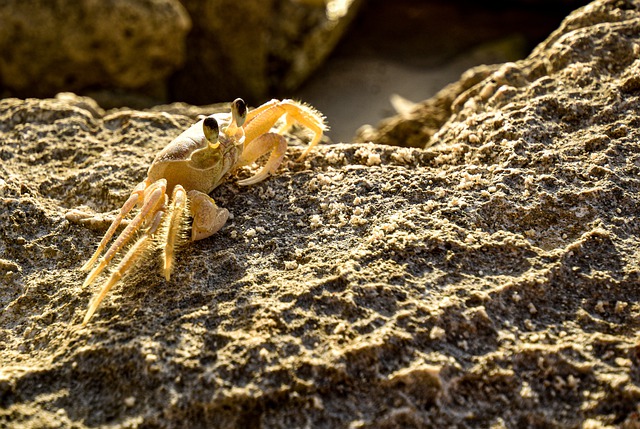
{"x": 247, "y": 49}
{"x": 490, "y": 280}
{"x": 257, "y": 48}
{"x": 50, "y": 46}
{"x": 416, "y": 127}
{"x": 123, "y": 52}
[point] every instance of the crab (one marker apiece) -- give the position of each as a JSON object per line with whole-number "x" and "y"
{"x": 181, "y": 177}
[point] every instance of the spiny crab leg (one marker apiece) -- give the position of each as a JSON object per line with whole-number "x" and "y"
{"x": 136, "y": 196}
{"x": 309, "y": 120}
{"x": 175, "y": 224}
{"x": 138, "y": 249}
{"x": 154, "y": 199}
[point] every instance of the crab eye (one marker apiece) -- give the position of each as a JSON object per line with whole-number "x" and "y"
{"x": 210, "y": 129}
{"x": 239, "y": 111}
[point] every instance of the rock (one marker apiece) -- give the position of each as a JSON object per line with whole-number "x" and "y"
{"x": 490, "y": 280}
{"x": 248, "y": 49}
{"x": 123, "y": 52}
{"x": 49, "y": 46}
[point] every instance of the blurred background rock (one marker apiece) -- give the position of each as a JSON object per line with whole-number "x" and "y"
{"x": 139, "y": 53}
{"x": 145, "y": 52}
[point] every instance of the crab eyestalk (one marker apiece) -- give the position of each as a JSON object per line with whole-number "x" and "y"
{"x": 238, "y": 117}
{"x": 211, "y": 130}
{"x": 238, "y": 112}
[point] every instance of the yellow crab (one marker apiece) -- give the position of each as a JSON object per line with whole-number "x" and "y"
{"x": 182, "y": 175}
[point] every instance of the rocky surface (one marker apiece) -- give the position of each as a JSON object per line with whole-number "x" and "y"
{"x": 416, "y": 128}
{"x": 49, "y": 46}
{"x": 490, "y": 280}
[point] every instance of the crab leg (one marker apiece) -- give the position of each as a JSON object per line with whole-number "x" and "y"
{"x": 173, "y": 226}
{"x": 136, "y": 196}
{"x": 258, "y": 147}
{"x": 252, "y": 114}
{"x": 308, "y": 118}
{"x": 155, "y": 196}
{"x": 132, "y": 255}
{"x": 138, "y": 249}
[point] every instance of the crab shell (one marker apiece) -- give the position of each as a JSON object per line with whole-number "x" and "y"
{"x": 192, "y": 161}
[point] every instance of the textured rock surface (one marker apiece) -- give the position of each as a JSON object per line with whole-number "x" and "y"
{"x": 49, "y": 46}
{"x": 490, "y": 280}
{"x": 256, "y": 48}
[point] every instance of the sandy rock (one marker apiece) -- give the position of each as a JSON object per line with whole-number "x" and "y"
{"x": 48, "y": 46}
{"x": 258, "y": 47}
{"x": 490, "y": 280}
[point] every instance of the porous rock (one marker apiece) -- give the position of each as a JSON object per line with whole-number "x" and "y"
{"x": 49, "y": 46}
{"x": 490, "y": 280}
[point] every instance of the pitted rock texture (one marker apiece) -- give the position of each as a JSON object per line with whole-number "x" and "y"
{"x": 490, "y": 280}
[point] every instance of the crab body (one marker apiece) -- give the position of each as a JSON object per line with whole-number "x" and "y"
{"x": 181, "y": 177}
{"x": 190, "y": 161}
